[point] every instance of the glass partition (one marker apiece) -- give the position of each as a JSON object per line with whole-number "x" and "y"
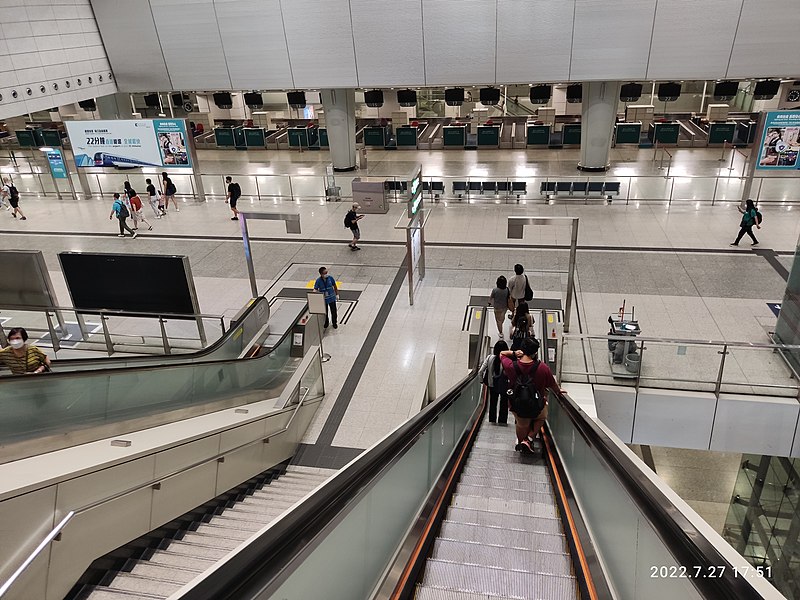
{"x": 353, "y": 556}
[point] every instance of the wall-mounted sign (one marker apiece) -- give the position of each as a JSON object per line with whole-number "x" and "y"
{"x": 130, "y": 143}
{"x": 57, "y": 167}
{"x": 415, "y": 191}
{"x": 780, "y": 143}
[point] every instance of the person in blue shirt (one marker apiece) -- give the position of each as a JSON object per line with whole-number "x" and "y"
{"x": 327, "y": 285}
{"x": 120, "y": 210}
{"x": 749, "y": 218}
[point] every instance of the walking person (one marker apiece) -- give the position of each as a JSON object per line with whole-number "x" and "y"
{"x": 22, "y": 358}
{"x": 750, "y": 217}
{"x": 12, "y": 193}
{"x": 327, "y": 285}
{"x": 121, "y": 211}
{"x": 521, "y": 325}
{"x": 529, "y": 379}
{"x": 5, "y": 195}
{"x": 500, "y": 300}
{"x": 169, "y": 190}
{"x": 154, "y": 195}
{"x": 519, "y": 286}
{"x": 234, "y": 193}
{"x": 351, "y": 220}
{"x": 493, "y": 377}
{"x": 135, "y": 206}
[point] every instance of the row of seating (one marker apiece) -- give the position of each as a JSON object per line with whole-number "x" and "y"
{"x": 460, "y": 188}
{"x": 585, "y": 189}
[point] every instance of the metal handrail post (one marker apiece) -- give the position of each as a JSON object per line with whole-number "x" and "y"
{"x": 53, "y": 337}
{"x": 106, "y": 335}
{"x": 573, "y": 246}
{"x": 291, "y": 188}
{"x": 258, "y": 191}
{"x": 722, "y": 156}
{"x": 714, "y": 195}
{"x": 718, "y": 385}
{"x": 671, "y": 191}
{"x": 733, "y": 155}
{"x": 669, "y": 166}
{"x": 164, "y": 340}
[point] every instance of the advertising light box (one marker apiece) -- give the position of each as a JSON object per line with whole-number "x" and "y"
{"x": 130, "y": 143}
{"x": 780, "y": 143}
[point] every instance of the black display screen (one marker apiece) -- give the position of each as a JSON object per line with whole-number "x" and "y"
{"x": 133, "y": 283}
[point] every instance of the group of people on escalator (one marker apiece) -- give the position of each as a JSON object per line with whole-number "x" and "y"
{"x": 516, "y": 380}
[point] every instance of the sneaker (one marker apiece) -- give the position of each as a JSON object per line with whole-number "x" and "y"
{"x": 177, "y": 209}
{"x": 325, "y": 326}
{"x": 133, "y": 237}
{"x": 734, "y": 244}
{"x": 150, "y": 228}
{"x": 335, "y": 326}
{"x": 158, "y": 216}
{"x": 525, "y": 447}
{"x": 234, "y": 218}
{"x": 356, "y": 248}
{"x": 120, "y": 235}
{"x": 754, "y": 244}
{"x": 518, "y": 447}
{"x": 501, "y": 336}
{"x": 26, "y": 218}
{"x": 14, "y": 215}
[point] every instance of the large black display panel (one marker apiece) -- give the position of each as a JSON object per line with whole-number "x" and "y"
{"x": 129, "y": 282}
{"x": 787, "y": 330}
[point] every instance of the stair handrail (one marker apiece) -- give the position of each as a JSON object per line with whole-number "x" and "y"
{"x": 292, "y": 387}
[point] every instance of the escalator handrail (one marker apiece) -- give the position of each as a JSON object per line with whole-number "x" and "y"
{"x": 688, "y": 545}
{"x": 270, "y": 555}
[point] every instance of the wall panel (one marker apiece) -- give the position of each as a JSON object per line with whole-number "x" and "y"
{"x": 377, "y": 47}
{"x": 611, "y": 40}
{"x": 535, "y": 40}
{"x": 320, "y": 40}
{"x": 760, "y": 48}
{"x": 255, "y": 44}
{"x": 190, "y": 41}
{"x": 460, "y": 41}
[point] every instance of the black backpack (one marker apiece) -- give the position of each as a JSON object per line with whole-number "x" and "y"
{"x": 347, "y": 221}
{"x": 524, "y": 398}
{"x": 13, "y": 191}
{"x": 759, "y": 218}
{"x": 123, "y": 211}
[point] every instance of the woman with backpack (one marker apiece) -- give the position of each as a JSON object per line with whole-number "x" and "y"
{"x": 493, "y": 377}
{"x": 521, "y": 325}
{"x": 120, "y": 210}
{"x": 169, "y": 192}
{"x": 500, "y": 299}
{"x": 750, "y": 217}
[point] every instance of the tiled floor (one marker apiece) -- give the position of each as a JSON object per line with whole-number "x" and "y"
{"x": 672, "y": 263}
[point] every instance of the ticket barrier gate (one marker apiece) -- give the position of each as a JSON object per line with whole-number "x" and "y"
{"x": 305, "y": 333}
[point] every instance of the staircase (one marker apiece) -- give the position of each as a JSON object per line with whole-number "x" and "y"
{"x": 502, "y": 537}
{"x": 181, "y": 560}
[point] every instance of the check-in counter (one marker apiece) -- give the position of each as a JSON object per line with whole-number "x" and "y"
{"x": 664, "y": 132}
{"x": 571, "y": 134}
{"x": 255, "y": 137}
{"x": 223, "y": 136}
{"x": 406, "y": 137}
{"x": 489, "y": 136}
{"x": 376, "y": 136}
{"x": 371, "y": 193}
{"x": 720, "y": 133}
{"x": 454, "y": 136}
{"x": 628, "y": 133}
{"x": 538, "y": 135}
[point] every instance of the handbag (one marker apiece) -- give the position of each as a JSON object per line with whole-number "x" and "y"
{"x": 528, "y": 291}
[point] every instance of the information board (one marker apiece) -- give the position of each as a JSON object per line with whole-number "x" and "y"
{"x": 57, "y": 167}
{"x": 780, "y": 142}
{"x": 130, "y": 143}
{"x": 414, "y": 187}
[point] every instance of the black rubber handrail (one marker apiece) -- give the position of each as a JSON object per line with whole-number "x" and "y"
{"x": 687, "y": 544}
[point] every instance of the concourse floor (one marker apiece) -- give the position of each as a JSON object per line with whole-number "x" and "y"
{"x": 673, "y": 263}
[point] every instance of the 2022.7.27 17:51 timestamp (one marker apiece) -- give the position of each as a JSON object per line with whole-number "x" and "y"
{"x": 707, "y": 571}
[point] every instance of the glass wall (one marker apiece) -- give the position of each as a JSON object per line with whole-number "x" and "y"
{"x": 787, "y": 330}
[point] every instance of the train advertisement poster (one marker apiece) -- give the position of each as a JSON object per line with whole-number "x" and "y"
{"x": 780, "y": 144}
{"x": 129, "y": 143}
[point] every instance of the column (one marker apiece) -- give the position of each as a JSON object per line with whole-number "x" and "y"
{"x": 598, "y": 116}
{"x": 114, "y": 106}
{"x": 340, "y": 121}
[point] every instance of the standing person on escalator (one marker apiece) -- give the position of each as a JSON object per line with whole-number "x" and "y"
{"x": 493, "y": 377}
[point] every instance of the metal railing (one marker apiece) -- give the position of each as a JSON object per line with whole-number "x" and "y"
{"x": 693, "y": 365}
{"x": 293, "y": 394}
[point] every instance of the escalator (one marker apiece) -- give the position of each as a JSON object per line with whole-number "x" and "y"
{"x": 444, "y": 509}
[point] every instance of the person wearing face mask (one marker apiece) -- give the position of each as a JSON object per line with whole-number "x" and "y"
{"x": 327, "y": 285}
{"x": 22, "y": 358}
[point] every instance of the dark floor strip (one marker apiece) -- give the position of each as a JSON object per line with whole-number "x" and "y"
{"x": 326, "y": 457}
{"x": 302, "y": 293}
{"x": 647, "y": 457}
{"x": 772, "y": 258}
{"x": 357, "y": 371}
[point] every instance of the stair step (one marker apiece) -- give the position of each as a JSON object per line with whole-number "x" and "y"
{"x": 105, "y": 593}
{"x": 180, "y": 561}
{"x": 499, "y": 582}
{"x": 163, "y": 572}
{"x": 143, "y": 585}
{"x": 506, "y": 521}
{"x": 510, "y": 474}
{"x": 503, "y": 465}
{"x": 498, "y": 536}
{"x": 254, "y": 511}
{"x": 512, "y": 559}
{"x": 196, "y": 550}
{"x": 319, "y": 471}
{"x": 212, "y": 529}
{"x": 214, "y": 541}
{"x": 255, "y": 523}
{"x": 509, "y": 456}
{"x": 541, "y": 487}
{"x": 436, "y": 593}
{"x": 503, "y": 506}
{"x": 286, "y": 492}
{"x": 505, "y": 494}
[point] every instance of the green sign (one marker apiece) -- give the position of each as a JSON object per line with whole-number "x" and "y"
{"x": 57, "y": 166}
{"x": 666, "y": 133}
{"x": 488, "y": 135}
{"x": 538, "y": 135}
{"x": 572, "y": 134}
{"x": 719, "y": 133}
{"x": 375, "y": 136}
{"x": 628, "y": 133}
{"x": 454, "y": 136}
{"x": 254, "y": 137}
{"x": 407, "y": 136}
{"x": 298, "y": 137}
{"x": 323, "y": 138}
{"x": 27, "y": 139}
{"x": 223, "y": 136}
{"x": 51, "y": 137}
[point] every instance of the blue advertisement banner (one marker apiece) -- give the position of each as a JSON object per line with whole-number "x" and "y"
{"x": 171, "y": 134}
{"x": 780, "y": 143}
{"x": 57, "y": 166}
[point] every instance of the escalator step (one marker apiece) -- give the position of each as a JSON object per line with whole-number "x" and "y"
{"x": 509, "y": 538}
{"x": 196, "y": 550}
{"x": 436, "y": 593}
{"x": 212, "y": 529}
{"x": 541, "y": 487}
{"x": 252, "y": 525}
{"x": 155, "y": 587}
{"x": 512, "y": 559}
{"x": 163, "y": 573}
{"x": 504, "y": 506}
{"x": 212, "y": 541}
{"x": 499, "y": 582}
{"x": 509, "y": 456}
{"x": 507, "y": 521}
{"x": 181, "y": 561}
{"x": 254, "y": 511}
{"x": 104, "y": 593}
{"x": 500, "y": 471}
{"x": 506, "y": 494}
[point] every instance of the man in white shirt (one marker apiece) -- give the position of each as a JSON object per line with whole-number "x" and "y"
{"x": 5, "y": 195}
{"x": 516, "y": 285}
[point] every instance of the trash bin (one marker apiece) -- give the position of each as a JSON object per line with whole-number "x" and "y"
{"x": 632, "y": 362}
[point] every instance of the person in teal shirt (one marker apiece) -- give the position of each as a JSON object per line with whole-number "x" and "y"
{"x": 749, "y": 218}
{"x": 327, "y": 285}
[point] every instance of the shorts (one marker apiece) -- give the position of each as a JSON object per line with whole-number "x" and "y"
{"x": 541, "y": 415}
{"x": 233, "y": 202}
{"x": 14, "y": 202}
{"x": 356, "y": 232}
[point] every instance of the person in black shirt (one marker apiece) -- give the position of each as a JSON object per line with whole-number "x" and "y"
{"x": 351, "y": 220}
{"x": 234, "y": 193}
{"x": 155, "y": 199}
